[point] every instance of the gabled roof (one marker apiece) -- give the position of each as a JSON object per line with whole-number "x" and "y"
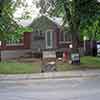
{"x": 43, "y": 23}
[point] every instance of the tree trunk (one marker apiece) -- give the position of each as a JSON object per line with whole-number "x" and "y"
{"x": 74, "y": 51}
{"x": 93, "y": 48}
{"x": 75, "y": 41}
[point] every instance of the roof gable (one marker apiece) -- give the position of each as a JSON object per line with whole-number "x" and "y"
{"x": 43, "y": 23}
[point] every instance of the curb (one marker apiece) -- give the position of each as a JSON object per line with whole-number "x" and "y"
{"x": 51, "y": 75}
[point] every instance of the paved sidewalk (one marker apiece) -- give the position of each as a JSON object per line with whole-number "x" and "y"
{"x": 67, "y": 74}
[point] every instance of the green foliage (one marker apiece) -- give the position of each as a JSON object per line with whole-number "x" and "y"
{"x": 26, "y": 13}
{"x": 17, "y": 34}
{"x": 8, "y": 27}
{"x": 90, "y": 28}
{"x": 7, "y": 24}
{"x": 81, "y": 15}
{"x": 98, "y": 37}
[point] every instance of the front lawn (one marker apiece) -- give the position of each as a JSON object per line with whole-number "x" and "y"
{"x": 87, "y": 62}
{"x": 14, "y": 67}
{"x": 90, "y": 62}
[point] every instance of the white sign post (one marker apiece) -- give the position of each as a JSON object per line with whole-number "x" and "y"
{"x": 85, "y": 38}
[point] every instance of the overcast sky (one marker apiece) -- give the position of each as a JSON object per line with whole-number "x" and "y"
{"x": 34, "y": 12}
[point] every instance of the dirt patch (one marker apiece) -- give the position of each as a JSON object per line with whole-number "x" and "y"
{"x": 27, "y": 60}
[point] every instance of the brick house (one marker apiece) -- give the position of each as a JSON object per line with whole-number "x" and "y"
{"x": 47, "y": 35}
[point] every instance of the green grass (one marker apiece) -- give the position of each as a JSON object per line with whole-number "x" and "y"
{"x": 90, "y": 62}
{"x": 66, "y": 66}
{"x": 87, "y": 62}
{"x": 18, "y": 68}
{"x": 13, "y": 67}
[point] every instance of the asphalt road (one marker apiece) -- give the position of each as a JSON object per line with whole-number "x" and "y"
{"x": 86, "y": 88}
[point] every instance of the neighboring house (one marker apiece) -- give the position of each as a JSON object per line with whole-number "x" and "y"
{"x": 11, "y": 50}
{"x": 47, "y": 35}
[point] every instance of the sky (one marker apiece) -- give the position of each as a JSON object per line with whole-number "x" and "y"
{"x": 34, "y": 12}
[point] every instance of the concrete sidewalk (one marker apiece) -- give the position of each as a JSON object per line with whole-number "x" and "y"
{"x": 50, "y": 75}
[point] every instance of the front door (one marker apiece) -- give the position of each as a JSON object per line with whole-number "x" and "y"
{"x": 49, "y": 39}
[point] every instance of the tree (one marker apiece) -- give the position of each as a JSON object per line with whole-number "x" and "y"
{"x": 17, "y": 35}
{"x": 91, "y": 29}
{"x": 74, "y": 12}
{"x": 7, "y": 23}
{"x": 9, "y": 26}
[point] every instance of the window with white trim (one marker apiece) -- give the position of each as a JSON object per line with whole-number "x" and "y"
{"x": 49, "y": 39}
{"x": 65, "y": 37}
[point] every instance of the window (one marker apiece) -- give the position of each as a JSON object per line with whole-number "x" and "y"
{"x": 65, "y": 37}
{"x": 49, "y": 39}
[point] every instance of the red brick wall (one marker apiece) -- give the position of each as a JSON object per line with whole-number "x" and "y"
{"x": 27, "y": 40}
{"x": 25, "y": 43}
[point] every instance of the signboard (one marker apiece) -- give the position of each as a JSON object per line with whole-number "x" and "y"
{"x": 98, "y": 49}
{"x": 49, "y": 54}
{"x": 75, "y": 57}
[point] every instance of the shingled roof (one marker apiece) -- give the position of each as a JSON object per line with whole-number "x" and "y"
{"x": 43, "y": 23}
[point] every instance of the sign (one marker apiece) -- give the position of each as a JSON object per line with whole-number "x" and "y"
{"x": 98, "y": 49}
{"x": 49, "y": 54}
{"x": 75, "y": 57}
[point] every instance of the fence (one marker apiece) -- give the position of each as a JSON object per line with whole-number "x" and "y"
{"x": 13, "y": 45}
{"x": 12, "y": 50}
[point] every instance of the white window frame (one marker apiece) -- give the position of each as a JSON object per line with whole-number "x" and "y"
{"x": 64, "y": 39}
{"x": 51, "y": 37}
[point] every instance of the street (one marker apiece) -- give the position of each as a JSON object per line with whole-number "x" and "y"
{"x": 85, "y": 88}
